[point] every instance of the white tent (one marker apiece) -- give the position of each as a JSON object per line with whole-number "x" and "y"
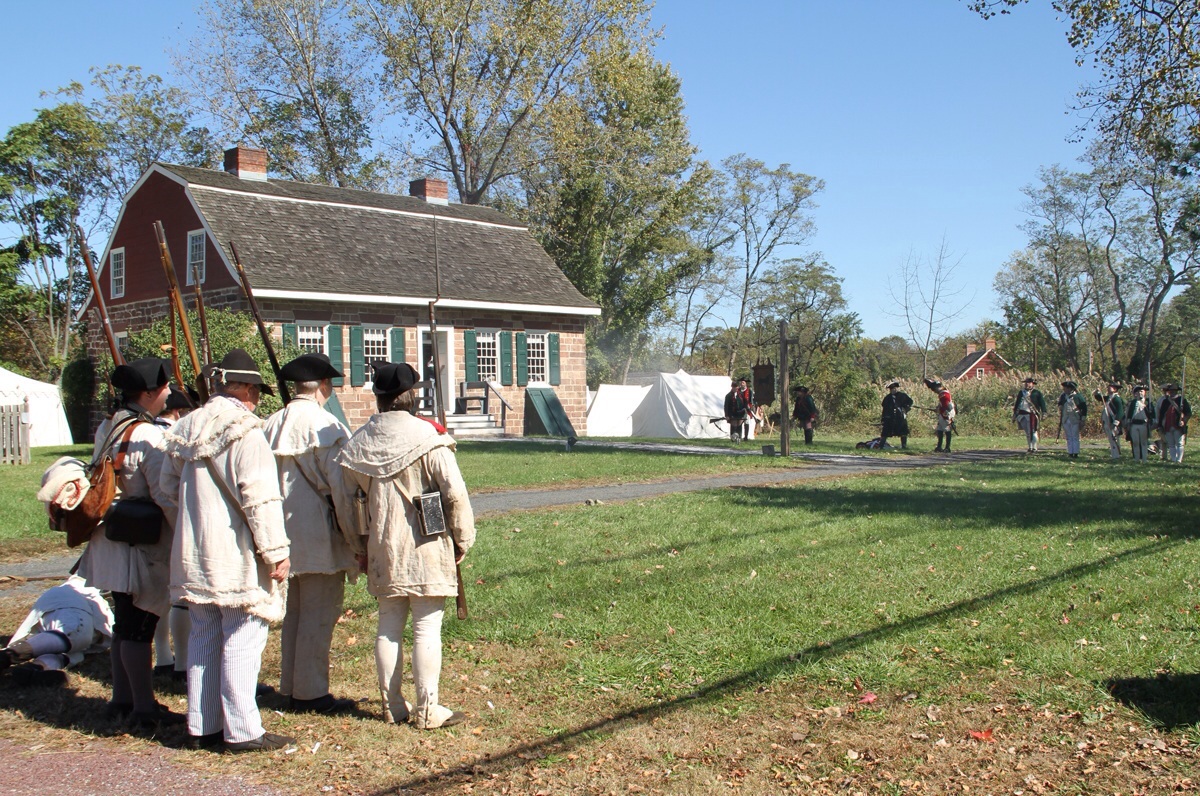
{"x": 610, "y": 413}
{"x": 43, "y": 403}
{"x": 681, "y": 405}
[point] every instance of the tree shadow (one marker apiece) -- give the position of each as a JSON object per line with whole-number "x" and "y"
{"x": 1171, "y": 701}
{"x": 516, "y": 756}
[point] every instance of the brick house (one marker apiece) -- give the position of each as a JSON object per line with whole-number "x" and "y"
{"x": 979, "y": 363}
{"x": 351, "y": 274}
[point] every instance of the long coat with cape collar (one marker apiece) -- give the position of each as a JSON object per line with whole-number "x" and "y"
{"x": 394, "y": 459}
{"x": 306, "y": 440}
{"x": 141, "y": 571}
{"x": 223, "y": 555}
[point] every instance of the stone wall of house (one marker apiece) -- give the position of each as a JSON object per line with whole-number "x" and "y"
{"x": 358, "y": 403}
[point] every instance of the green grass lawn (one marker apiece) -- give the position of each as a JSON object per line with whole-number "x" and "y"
{"x": 21, "y": 515}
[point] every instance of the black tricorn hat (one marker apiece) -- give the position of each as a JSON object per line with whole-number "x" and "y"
{"x": 1029, "y": 380}
{"x": 1070, "y": 385}
{"x": 1172, "y": 387}
{"x": 238, "y": 366}
{"x": 310, "y": 367}
{"x": 148, "y": 373}
{"x": 893, "y": 384}
{"x": 933, "y": 384}
{"x": 393, "y": 377}
{"x": 1141, "y": 387}
{"x": 801, "y": 388}
{"x": 1116, "y": 385}
{"x": 178, "y": 399}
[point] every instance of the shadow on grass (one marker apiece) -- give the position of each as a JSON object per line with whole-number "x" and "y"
{"x": 1171, "y": 701}
{"x": 517, "y": 756}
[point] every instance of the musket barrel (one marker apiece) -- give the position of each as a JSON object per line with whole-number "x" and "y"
{"x": 176, "y": 300}
{"x": 284, "y": 394}
{"x": 105, "y": 322}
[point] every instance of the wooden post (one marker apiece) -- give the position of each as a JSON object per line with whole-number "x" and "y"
{"x": 785, "y": 418}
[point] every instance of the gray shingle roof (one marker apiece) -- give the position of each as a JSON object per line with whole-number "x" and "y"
{"x": 321, "y": 239}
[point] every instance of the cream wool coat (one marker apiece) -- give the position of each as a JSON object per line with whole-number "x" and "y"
{"x": 219, "y": 559}
{"x": 306, "y": 440}
{"x": 395, "y": 458}
{"x": 142, "y": 571}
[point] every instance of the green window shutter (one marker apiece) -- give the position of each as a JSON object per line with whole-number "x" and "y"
{"x": 552, "y": 357}
{"x": 506, "y": 358}
{"x": 290, "y": 336}
{"x": 522, "y": 360}
{"x": 396, "y": 336}
{"x": 334, "y": 335}
{"x": 358, "y": 370}
{"x": 472, "y": 355}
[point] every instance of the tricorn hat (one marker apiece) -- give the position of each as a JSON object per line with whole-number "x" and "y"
{"x": 1070, "y": 385}
{"x": 933, "y": 384}
{"x": 238, "y": 366}
{"x": 1172, "y": 387}
{"x": 393, "y": 377}
{"x": 893, "y": 384}
{"x": 1141, "y": 387}
{"x": 1029, "y": 380}
{"x": 148, "y": 373}
{"x": 1116, "y": 385}
{"x": 178, "y": 399}
{"x": 310, "y": 367}
{"x": 801, "y": 388}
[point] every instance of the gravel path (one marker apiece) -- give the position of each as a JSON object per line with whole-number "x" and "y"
{"x": 96, "y": 767}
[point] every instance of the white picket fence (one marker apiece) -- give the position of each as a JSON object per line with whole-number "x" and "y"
{"x": 14, "y": 435}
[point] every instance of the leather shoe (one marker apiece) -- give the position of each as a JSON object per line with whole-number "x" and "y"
{"x": 265, "y": 742}
{"x": 327, "y": 704}
{"x": 214, "y": 740}
{"x": 33, "y": 675}
{"x": 160, "y": 716}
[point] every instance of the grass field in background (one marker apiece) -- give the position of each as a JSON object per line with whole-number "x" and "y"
{"x": 844, "y": 632}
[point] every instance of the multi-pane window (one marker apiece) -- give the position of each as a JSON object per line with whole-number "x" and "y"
{"x": 375, "y": 347}
{"x": 195, "y": 256}
{"x": 122, "y": 340}
{"x": 487, "y": 356}
{"x": 535, "y": 346}
{"x": 311, "y": 338}
{"x": 979, "y": 373}
{"x": 116, "y": 273}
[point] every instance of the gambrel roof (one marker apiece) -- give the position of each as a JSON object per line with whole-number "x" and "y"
{"x": 305, "y": 241}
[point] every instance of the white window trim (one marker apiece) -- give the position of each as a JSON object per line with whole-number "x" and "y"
{"x": 368, "y": 372}
{"x": 495, "y": 335}
{"x": 545, "y": 347}
{"x": 196, "y": 233}
{"x": 122, "y": 341}
{"x": 323, "y": 325}
{"x": 112, "y": 273}
{"x": 979, "y": 372}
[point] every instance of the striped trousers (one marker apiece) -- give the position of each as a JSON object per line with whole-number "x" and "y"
{"x": 224, "y": 657}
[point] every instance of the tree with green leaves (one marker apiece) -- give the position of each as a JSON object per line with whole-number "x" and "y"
{"x": 768, "y": 211}
{"x": 288, "y": 76}
{"x": 614, "y": 202}
{"x": 476, "y": 77}
{"x": 50, "y": 171}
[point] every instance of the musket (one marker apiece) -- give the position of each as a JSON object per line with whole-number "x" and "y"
{"x": 284, "y": 394}
{"x": 117, "y": 357}
{"x": 176, "y": 300}
{"x": 460, "y": 599}
{"x": 178, "y": 371}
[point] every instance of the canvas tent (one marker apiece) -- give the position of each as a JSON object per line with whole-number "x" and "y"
{"x": 679, "y": 405}
{"x": 610, "y": 413}
{"x": 47, "y": 420}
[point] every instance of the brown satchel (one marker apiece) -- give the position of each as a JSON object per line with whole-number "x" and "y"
{"x": 81, "y": 522}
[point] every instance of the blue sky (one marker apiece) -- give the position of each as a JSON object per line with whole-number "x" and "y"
{"x": 923, "y": 119}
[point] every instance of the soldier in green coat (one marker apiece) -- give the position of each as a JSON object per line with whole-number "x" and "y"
{"x": 1139, "y": 417}
{"x": 1112, "y": 415}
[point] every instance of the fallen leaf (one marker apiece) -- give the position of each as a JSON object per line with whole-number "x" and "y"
{"x": 868, "y": 698}
{"x": 986, "y": 735}
{"x": 351, "y": 641}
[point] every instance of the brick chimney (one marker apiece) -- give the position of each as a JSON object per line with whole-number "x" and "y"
{"x": 246, "y": 164}
{"x": 970, "y": 349}
{"x": 433, "y": 191}
{"x": 990, "y": 344}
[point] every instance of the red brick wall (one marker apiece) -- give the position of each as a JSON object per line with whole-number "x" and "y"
{"x": 358, "y": 403}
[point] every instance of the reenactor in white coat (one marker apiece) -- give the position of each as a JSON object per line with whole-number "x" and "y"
{"x": 306, "y": 440}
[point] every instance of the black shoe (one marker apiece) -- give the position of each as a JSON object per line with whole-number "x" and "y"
{"x": 6, "y": 659}
{"x": 161, "y": 716}
{"x": 937, "y": 450}
{"x": 31, "y": 675}
{"x": 118, "y": 710}
{"x": 263, "y": 743}
{"x": 262, "y": 689}
{"x": 214, "y": 740}
{"x": 327, "y": 704}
